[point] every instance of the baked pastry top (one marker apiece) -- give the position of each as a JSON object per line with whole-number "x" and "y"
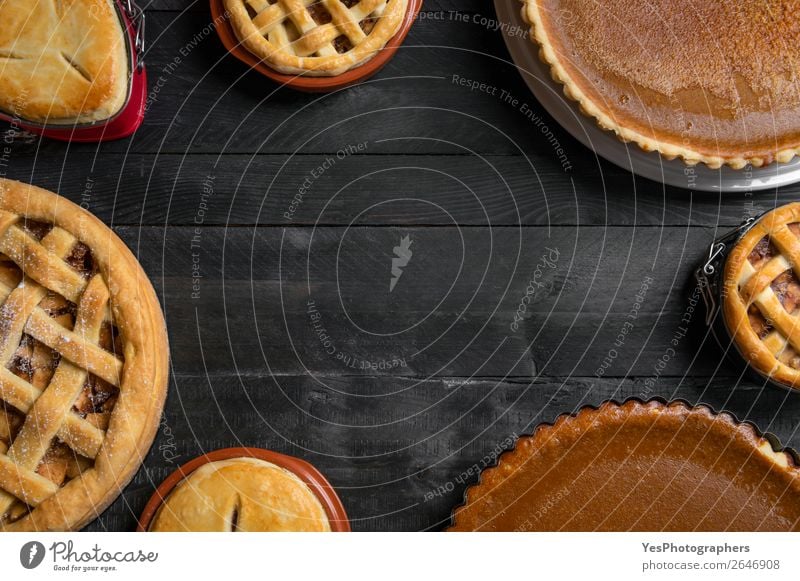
{"x": 638, "y": 467}
{"x": 315, "y": 37}
{"x": 712, "y": 82}
{"x": 62, "y": 62}
{"x": 84, "y": 362}
{"x": 241, "y": 495}
{"x": 761, "y": 295}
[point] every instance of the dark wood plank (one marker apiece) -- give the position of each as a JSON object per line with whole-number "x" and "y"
{"x": 256, "y": 301}
{"x": 140, "y": 189}
{"x": 402, "y": 461}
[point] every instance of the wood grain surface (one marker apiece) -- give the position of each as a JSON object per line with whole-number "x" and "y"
{"x": 268, "y": 221}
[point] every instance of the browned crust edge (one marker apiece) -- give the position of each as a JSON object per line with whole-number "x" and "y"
{"x": 533, "y": 16}
{"x": 144, "y": 383}
{"x": 734, "y": 309}
{"x": 763, "y": 443}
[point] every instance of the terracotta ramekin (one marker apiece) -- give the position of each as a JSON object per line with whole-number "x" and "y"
{"x": 306, "y": 83}
{"x": 305, "y": 471}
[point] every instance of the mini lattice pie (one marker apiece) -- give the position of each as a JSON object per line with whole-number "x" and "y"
{"x": 62, "y": 62}
{"x": 713, "y": 82}
{"x": 241, "y": 495}
{"x": 84, "y": 352}
{"x": 315, "y": 37}
{"x": 762, "y": 295}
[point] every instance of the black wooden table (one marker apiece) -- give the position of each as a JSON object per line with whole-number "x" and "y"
{"x": 269, "y": 220}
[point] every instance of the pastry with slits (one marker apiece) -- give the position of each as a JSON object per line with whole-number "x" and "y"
{"x": 62, "y": 62}
{"x": 85, "y": 358}
{"x": 241, "y": 495}
{"x": 315, "y": 37}
{"x": 762, "y": 295}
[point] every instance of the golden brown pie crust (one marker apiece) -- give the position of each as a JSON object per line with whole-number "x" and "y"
{"x": 315, "y": 37}
{"x": 756, "y": 298}
{"x": 711, "y": 82}
{"x": 62, "y": 62}
{"x": 241, "y": 495}
{"x": 637, "y": 466}
{"x": 85, "y": 362}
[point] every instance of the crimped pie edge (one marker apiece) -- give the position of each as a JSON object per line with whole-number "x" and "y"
{"x": 768, "y": 445}
{"x": 532, "y": 16}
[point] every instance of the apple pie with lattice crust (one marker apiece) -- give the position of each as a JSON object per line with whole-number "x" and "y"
{"x": 315, "y": 37}
{"x": 761, "y": 295}
{"x": 85, "y": 361}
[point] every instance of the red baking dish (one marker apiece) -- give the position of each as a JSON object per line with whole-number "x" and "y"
{"x": 305, "y": 471}
{"x": 307, "y": 83}
{"x": 130, "y": 117}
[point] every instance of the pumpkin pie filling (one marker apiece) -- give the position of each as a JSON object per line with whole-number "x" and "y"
{"x": 710, "y": 81}
{"x": 638, "y": 467}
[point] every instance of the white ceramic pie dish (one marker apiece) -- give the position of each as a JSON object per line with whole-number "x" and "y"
{"x": 566, "y": 112}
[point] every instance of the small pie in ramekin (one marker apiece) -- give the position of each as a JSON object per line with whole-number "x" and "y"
{"x": 315, "y": 37}
{"x": 241, "y": 495}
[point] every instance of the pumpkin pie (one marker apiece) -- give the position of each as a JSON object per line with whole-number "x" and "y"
{"x": 638, "y": 467}
{"x": 712, "y": 82}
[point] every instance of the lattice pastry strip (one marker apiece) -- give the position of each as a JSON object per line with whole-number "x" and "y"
{"x": 21, "y": 312}
{"x": 318, "y": 37}
{"x": 48, "y": 414}
{"x": 77, "y": 433}
{"x": 50, "y": 411}
{"x": 41, "y": 264}
{"x": 755, "y": 287}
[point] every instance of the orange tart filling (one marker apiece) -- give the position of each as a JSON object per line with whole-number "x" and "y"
{"x": 638, "y": 467}
{"x": 712, "y": 82}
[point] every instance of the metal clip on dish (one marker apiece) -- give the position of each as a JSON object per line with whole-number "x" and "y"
{"x": 707, "y": 275}
{"x": 136, "y": 17}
